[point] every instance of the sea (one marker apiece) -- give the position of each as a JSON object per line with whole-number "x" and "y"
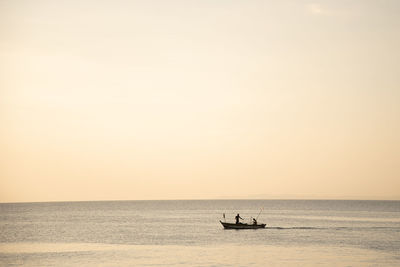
{"x": 189, "y": 233}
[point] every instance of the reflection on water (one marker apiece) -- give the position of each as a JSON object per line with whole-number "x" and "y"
{"x": 16, "y": 248}
{"x": 67, "y": 254}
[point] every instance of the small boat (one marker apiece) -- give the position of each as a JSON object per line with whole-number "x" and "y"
{"x": 242, "y": 225}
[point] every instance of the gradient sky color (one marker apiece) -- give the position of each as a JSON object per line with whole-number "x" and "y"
{"x": 104, "y": 100}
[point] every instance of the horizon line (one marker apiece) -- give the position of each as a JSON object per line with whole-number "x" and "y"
{"x": 201, "y": 199}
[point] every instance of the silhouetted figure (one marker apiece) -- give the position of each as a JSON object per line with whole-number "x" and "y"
{"x": 237, "y": 218}
{"x": 254, "y": 221}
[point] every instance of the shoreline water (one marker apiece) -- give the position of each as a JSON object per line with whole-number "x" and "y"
{"x": 56, "y": 254}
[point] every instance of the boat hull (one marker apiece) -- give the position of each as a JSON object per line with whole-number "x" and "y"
{"x": 242, "y": 225}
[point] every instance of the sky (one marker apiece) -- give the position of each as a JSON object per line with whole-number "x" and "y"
{"x": 199, "y": 99}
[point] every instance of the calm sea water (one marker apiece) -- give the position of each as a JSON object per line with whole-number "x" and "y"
{"x": 188, "y": 233}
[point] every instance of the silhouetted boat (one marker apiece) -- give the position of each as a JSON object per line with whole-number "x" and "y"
{"x": 242, "y": 225}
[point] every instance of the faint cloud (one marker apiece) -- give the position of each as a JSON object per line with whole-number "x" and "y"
{"x": 329, "y": 10}
{"x": 315, "y": 9}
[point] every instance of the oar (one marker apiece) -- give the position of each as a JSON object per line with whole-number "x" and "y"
{"x": 259, "y": 213}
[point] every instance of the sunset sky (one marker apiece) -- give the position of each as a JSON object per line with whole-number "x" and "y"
{"x": 190, "y": 99}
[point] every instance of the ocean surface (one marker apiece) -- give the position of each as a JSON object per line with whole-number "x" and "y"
{"x": 188, "y": 233}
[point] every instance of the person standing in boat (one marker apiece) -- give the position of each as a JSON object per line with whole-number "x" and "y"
{"x": 237, "y": 218}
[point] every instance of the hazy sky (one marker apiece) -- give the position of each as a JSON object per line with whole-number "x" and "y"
{"x": 199, "y": 99}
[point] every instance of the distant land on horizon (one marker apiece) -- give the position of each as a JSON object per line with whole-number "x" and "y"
{"x": 237, "y": 197}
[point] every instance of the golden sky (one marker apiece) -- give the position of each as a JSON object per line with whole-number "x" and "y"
{"x": 190, "y": 99}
